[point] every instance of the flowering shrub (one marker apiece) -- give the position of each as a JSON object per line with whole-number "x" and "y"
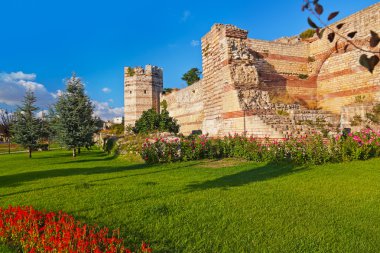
{"x": 35, "y": 231}
{"x": 312, "y": 149}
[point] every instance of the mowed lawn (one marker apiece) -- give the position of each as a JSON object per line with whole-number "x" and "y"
{"x": 206, "y": 206}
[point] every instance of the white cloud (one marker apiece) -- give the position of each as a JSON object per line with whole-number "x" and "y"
{"x": 195, "y": 43}
{"x": 110, "y": 100}
{"x": 106, "y": 90}
{"x": 57, "y": 94}
{"x": 14, "y": 85}
{"x": 185, "y": 15}
{"x": 42, "y": 114}
{"x": 106, "y": 112}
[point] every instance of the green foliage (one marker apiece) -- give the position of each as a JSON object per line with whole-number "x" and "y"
{"x": 303, "y": 76}
{"x": 110, "y": 146}
{"x": 130, "y": 71}
{"x": 151, "y": 121}
{"x": 359, "y": 99}
{"x": 282, "y": 113}
{"x": 308, "y": 150}
{"x": 167, "y": 90}
{"x": 356, "y": 120}
{"x": 27, "y": 128}
{"x": 309, "y": 33}
{"x": 311, "y": 59}
{"x": 132, "y": 144}
{"x": 6, "y": 123}
{"x": 117, "y": 129}
{"x": 192, "y": 76}
{"x": 374, "y": 116}
{"x": 74, "y": 111}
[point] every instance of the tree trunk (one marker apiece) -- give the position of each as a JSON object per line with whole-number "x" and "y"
{"x": 78, "y": 151}
{"x": 30, "y": 152}
{"x": 74, "y": 152}
{"x": 9, "y": 145}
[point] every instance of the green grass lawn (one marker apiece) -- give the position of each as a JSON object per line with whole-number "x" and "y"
{"x": 206, "y": 206}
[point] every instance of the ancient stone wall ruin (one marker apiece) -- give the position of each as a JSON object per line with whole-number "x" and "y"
{"x": 142, "y": 89}
{"x": 187, "y": 107}
{"x": 242, "y": 75}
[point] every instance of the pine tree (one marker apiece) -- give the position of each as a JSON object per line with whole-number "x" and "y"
{"x": 192, "y": 76}
{"x": 48, "y": 132}
{"x": 27, "y": 128}
{"x": 75, "y": 121}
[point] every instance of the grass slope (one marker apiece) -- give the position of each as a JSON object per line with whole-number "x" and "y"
{"x": 207, "y": 206}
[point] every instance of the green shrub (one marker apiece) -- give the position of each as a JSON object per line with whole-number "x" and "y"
{"x": 110, "y": 146}
{"x": 152, "y": 121}
{"x": 282, "y": 113}
{"x": 303, "y": 76}
{"x": 309, "y": 33}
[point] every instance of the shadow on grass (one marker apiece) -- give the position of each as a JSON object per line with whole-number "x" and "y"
{"x": 16, "y": 179}
{"x": 266, "y": 172}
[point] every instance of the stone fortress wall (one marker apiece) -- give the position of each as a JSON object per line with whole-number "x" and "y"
{"x": 241, "y": 74}
{"x": 187, "y": 106}
{"x": 142, "y": 89}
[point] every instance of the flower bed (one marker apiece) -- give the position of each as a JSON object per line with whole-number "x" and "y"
{"x": 312, "y": 149}
{"x": 32, "y": 231}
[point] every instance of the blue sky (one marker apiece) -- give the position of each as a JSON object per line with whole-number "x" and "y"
{"x": 44, "y": 41}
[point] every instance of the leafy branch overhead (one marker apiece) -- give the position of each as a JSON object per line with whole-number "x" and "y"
{"x": 335, "y": 34}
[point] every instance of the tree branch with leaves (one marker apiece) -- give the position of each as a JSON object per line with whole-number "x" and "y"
{"x": 321, "y": 26}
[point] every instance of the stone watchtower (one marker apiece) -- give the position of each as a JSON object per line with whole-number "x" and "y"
{"x": 142, "y": 89}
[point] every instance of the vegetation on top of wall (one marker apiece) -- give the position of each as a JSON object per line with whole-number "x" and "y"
{"x": 282, "y": 113}
{"x": 303, "y": 76}
{"x": 192, "y": 76}
{"x": 311, "y": 59}
{"x": 130, "y": 71}
{"x": 309, "y": 33}
{"x": 374, "y": 116}
{"x": 167, "y": 91}
{"x": 356, "y": 120}
{"x": 359, "y": 99}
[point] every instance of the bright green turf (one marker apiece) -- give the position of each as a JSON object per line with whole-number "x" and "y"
{"x": 4, "y": 249}
{"x": 187, "y": 207}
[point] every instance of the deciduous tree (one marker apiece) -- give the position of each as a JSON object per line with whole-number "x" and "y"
{"x": 6, "y": 122}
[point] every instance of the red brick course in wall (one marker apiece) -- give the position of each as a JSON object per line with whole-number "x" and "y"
{"x": 286, "y": 58}
{"x": 349, "y": 93}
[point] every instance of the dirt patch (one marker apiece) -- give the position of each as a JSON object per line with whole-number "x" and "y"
{"x": 222, "y": 163}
